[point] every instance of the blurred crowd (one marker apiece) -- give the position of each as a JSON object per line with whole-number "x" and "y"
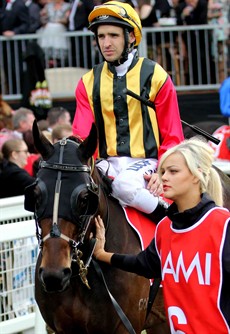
{"x": 19, "y": 159}
{"x": 29, "y": 16}
{"x": 51, "y": 18}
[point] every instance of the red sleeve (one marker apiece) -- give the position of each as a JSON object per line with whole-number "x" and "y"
{"x": 168, "y": 117}
{"x": 83, "y": 117}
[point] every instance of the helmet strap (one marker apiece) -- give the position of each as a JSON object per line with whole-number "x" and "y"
{"x": 126, "y": 51}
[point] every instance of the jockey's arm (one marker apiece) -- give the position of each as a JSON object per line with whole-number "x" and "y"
{"x": 168, "y": 117}
{"x": 83, "y": 117}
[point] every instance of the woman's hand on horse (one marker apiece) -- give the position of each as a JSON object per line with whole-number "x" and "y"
{"x": 100, "y": 232}
{"x": 154, "y": 185}
{"x": 100, "y": 237}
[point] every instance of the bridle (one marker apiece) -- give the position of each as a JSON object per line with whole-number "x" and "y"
{"x": 85, "y": 220}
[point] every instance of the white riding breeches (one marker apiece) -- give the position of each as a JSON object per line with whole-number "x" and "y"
{"x": 129, "y": 185}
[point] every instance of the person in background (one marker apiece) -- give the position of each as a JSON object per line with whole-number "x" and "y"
{"x": 55, "y": 18}
{"x": 166, "y": 8}
{"x": 41, "y": 4}
{"x": 190, "y": 251}
{"x": 194, "y": 12}
{"x": 5, "y": 134}
{"x": 58, "y": 116}
{"x": 78, "y": 20}
{"x": 23, "y": 119}
{"x": 60, "y": 131}
{"x": 132, "y": 3}
{"x": 34, "y": 14}
{"x": 21, "y": 126}
{"x": 149, "y": 18}
{"x": 224, "y": 95}
{"x": 14, "y": 20}
{"x": 132, "y": 137}
{"x": 13, "y": 177}
{"x": 147, "y": 13}
{"x": 218, "y": 12}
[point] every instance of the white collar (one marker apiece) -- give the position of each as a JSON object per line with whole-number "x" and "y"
{"x": 123, "y": 68}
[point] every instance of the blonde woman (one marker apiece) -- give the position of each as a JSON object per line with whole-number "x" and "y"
{"x": 191, "y": 248}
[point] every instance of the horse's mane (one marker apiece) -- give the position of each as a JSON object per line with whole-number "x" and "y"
{"x": 104, "y": 181}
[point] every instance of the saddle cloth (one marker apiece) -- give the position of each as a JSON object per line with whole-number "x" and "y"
{"x": 143, "y": 226}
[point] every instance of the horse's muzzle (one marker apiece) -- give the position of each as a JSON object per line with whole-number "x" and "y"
{"x": 55, "y": 281}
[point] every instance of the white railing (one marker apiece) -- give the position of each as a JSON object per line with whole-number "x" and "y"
{"x": 12, "y": 210}
{"x": 203, "y": 70}
{"x": 18, "y": 254}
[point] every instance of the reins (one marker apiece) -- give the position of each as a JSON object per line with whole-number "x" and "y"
{"x": 117, "y": 307}
{"x": 100, "y": 274}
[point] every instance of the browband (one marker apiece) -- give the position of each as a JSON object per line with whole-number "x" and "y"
{"x": 67, "y": 167}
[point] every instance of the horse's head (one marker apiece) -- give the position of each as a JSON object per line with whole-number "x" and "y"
{"x": 64, "y": 199}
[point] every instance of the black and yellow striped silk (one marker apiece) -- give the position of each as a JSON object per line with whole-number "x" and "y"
{"x": 126, "y": 126}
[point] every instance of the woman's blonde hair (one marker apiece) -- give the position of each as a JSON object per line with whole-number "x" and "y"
{"x": 199, "y": 157}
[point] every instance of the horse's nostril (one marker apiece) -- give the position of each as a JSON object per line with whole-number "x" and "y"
{"x": 54, "y": 281}
{"x": 67, "y": 272}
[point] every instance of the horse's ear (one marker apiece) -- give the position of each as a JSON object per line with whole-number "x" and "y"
{"x": 89, "y": 145}
{"x": 42, "y": 144}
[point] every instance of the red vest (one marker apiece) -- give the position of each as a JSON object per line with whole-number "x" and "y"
{"x": 191, "y": 261}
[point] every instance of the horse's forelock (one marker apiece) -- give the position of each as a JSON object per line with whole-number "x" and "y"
{"x": 76, "y": 139}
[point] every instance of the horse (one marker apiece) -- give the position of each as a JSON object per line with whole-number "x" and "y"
{"x": 75, "y": 293}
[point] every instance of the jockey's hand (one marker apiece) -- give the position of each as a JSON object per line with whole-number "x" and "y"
{"x": 100, "y": 237}
{"x": 154, "y": 185}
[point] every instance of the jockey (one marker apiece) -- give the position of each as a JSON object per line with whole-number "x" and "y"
{"x": 132, "y": 136}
